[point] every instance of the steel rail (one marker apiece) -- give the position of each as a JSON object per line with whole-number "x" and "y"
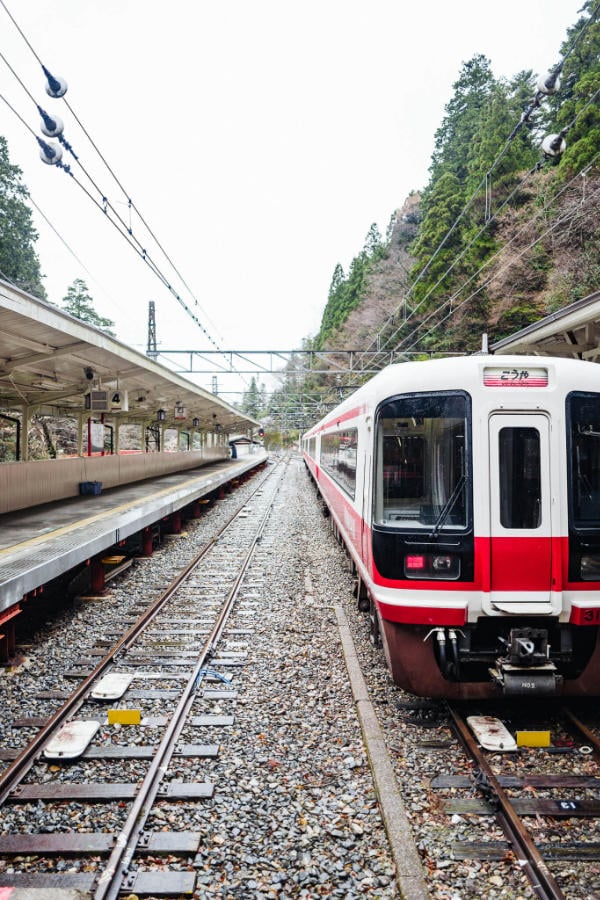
{"x": 588, "y": 735}
{"x": 110, "y": 882}
{"x": 17, "y": 770}
{"x": 527, "y": 855}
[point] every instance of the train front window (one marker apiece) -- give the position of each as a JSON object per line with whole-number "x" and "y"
{"x": 421, "y": 463}
{"x": 520, "y": 477}
{"x": 583, "y": 417}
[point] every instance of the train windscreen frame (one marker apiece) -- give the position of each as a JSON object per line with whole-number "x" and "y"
{"x": 422, "y": 462}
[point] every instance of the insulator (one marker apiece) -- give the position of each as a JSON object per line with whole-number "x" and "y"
{"x": 548, "y": 83}
{"x": 51, "y": 154}
{"x": 554, "y": 145}
{"x": 57, "y": 86}
{"x": 51, "y": 126}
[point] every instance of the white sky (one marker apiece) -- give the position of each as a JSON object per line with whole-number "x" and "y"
{"x": 258, "y": 138}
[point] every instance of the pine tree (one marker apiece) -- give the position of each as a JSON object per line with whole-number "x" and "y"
{"x": 490, "y": 151}
{"x": 18, "y": 260}
{"x": 77, "y": 302}
{"x": 251, "y": 401}
{"x": 444, "y": 207}
{"x": 576, "y": 103}
{"x": 462, "y": 120}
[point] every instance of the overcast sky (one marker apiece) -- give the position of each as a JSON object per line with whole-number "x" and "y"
{"x": 259, "y": 139}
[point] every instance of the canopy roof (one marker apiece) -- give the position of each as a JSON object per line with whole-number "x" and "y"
{"x": 573, "y": 331}
{"x": 50, "y": 360}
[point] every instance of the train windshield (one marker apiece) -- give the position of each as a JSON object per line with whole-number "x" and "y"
{"x": 422, "y": 469}
{"x": 584, "y": 431}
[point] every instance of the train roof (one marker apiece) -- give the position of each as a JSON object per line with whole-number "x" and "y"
{"x": 449, "y": 373}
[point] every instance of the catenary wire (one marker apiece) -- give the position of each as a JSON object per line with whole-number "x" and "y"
{"x": 125, "y": 229}
{"x": 560, "y": 220}
{"x": 457, "y": 259}
{"x": 524, "y": 118}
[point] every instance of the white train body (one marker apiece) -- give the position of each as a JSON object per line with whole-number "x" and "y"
{"x": 467, "y": 491}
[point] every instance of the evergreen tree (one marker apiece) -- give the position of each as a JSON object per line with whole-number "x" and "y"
{"x": 78, "y": 303}
{"x": 499, "y": 116}
{"x": 462, "y": 120}
{"x": 18, "y": 260}
{"x": 444, "y": 207}
{"x": 251, "y": 401}
{"x": 576, "y": 103}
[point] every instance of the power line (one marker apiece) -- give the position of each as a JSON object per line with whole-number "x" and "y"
{"x": 560, "y": 220}
{"x": 125, "y": 229}
{"x": 546, "y": 86}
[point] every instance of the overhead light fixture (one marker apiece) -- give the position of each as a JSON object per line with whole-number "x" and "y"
{"x": 161, "y": 415}
{"x": 195, "y": 422}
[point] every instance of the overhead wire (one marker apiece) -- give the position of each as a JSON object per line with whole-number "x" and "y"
{"x": 484, "y": 183}
{"x": 124, "y": 229}
{"x": 560, "y": 220}
{"x": 536, "y": 168}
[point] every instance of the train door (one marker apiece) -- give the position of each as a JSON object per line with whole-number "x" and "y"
{"x": 520, "y": 514}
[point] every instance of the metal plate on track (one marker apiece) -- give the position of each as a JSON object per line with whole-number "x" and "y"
{"x": 492, "y": 734}
{"x": 112, "y": 686}
{"x": 71, "y": 740}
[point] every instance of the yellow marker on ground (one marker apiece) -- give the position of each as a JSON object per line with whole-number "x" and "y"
{"x": 533, "y": 738}
{"x": 124, "y": 717}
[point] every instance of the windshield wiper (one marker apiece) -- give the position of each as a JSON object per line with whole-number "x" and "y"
{"x": 448, "y": 506}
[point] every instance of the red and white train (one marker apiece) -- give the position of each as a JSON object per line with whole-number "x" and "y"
{"x": 467, "y": 493}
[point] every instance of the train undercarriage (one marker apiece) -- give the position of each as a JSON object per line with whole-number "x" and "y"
{"x": 492, "y": 658}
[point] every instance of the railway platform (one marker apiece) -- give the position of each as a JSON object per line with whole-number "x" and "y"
{"x": 41, "y": 543}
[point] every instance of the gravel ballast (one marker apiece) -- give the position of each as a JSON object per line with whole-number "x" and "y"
{"x": 296, "y": 811}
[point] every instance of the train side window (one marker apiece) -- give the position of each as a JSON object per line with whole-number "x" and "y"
{"x": 338, "y": 457}
{"x": 520, "y": 477}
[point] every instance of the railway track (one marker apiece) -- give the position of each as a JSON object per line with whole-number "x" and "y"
{"x": 182, "y": 659}
{"x": 514, "y": 798}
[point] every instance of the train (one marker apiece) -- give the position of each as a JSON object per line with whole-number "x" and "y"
{"x": 466, "y": 492}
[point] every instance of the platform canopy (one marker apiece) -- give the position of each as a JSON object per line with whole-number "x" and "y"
{"x": 573, "y": 331}
{"x": 50, "y": 361}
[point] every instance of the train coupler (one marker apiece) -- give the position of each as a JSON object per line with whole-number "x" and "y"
{"x": 526, "y": 668}
{"x": 513, "y": 680}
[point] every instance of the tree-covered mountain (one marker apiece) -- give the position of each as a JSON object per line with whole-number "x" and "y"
{"x": 504, "y": 233}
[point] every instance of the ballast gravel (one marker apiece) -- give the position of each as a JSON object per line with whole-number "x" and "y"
{"x": 294, "y": 812}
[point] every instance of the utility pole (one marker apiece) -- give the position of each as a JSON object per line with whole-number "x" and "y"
{"x": 152, "y": 349}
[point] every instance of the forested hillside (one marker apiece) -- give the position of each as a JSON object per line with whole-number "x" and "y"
{"x": 502, "y": 233}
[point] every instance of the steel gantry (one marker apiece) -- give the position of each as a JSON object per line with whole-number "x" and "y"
{"x": 278, "y": 362}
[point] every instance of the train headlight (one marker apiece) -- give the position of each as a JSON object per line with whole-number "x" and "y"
{"x": 432, "y": 565}
{"x": 590, "y": 568}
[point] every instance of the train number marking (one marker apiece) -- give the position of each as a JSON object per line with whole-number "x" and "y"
{"x": 591, "y": 616}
